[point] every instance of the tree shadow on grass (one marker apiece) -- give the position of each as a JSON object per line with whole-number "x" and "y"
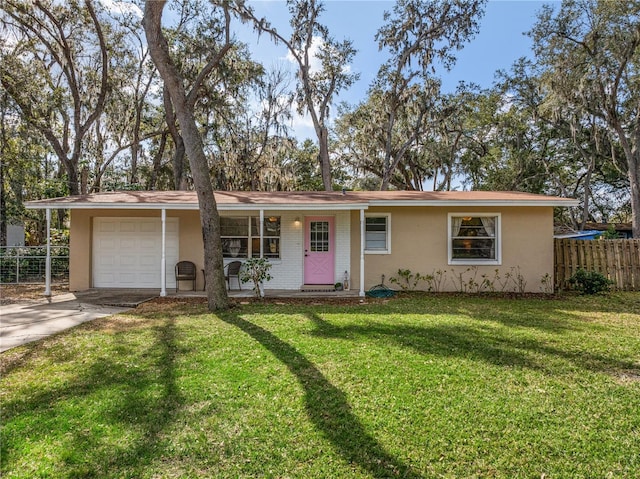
{"x": 85, "y": 451}
{"x": 447, "y": 340}
{"x": 480, "y": 343}
{"x": 327, "y": 407}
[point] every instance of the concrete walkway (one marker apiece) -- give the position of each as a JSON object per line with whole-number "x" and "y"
{"x": 22, "y": 323}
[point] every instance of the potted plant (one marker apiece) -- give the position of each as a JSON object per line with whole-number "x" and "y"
{"x": 338, "y": 286}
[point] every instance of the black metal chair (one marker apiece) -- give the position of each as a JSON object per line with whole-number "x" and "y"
{"x": 233, "y": 271}
{"x": 185, "y": 271}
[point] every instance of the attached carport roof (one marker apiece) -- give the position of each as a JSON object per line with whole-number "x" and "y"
{"x": 298, "y": 200}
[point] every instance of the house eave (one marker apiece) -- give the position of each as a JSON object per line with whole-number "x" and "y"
{"x": 194, "y": 206}
{"x": 305, "y": 201}
{"x": 109, "y": 206}
{"x": 476, "y": 203}
{"x": 293, "y": 207}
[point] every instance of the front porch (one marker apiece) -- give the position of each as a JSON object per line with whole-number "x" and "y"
{"x": 133, "y": 297}
{"x": 273, "y": 293}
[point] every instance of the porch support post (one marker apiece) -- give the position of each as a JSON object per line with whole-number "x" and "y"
{"x": 163, "y": 260}
{"x": 361, "y": 252}
{"x": 262, "y": 233}
{"x": 47, "y": 270}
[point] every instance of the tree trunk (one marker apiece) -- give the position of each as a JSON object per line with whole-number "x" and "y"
{"x": 587, "y": 194}
{"x": 73, "y": 180}
{"x": 632, "y": 155}
{"x": 157, "y": 162}
{"x": 133, "y": 178}
{"x": 325, "y": 165}
{"x": 177, "y": 161}
{"x": 387, "y": 171}
{"x": 179, "y": 180}
{"x": 3, "y": 216}
{"x": 209, "y": 218}
{"x": 634, "y": 183}
{"x": 386, "y": 165}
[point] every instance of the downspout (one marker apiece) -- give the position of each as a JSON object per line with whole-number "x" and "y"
{"x": 47, "y": 271}
{"x": 362, "y": 253}
{"x": 163, "y": 260}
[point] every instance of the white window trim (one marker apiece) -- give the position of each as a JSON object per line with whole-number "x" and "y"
{"x": 378, "y": 251}
{"x": 470, "y": 262}
{"x": 250, "y": 237}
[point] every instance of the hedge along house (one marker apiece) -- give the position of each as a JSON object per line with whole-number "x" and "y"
{"x": 134, "y": 239}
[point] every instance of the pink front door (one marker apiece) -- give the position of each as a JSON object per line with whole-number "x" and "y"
{"x": 319, "y": 250}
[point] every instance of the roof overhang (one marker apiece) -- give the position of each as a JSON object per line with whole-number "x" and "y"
{"x": 194, "y": 206}
{"x": 481, "y": 203}
{"x": 299, "y": 201}
{"x": 43, "y": 204}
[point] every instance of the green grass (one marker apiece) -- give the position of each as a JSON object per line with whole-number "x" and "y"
{"x": 423, "y": 386}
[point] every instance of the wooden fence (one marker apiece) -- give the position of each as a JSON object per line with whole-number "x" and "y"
{"x": 618, "y": 260}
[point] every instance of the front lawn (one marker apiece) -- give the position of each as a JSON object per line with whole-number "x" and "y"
{"x": 424, "y": 386}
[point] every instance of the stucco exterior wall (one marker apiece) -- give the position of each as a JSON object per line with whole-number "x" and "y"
{"x": 419, "y": 242}
{"x": 81, "y": 233}
{"x": 287, "y": 272}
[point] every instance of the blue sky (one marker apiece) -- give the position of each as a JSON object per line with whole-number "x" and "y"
{"x": 500, "y": 42}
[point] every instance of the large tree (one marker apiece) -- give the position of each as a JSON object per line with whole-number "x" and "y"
{"x": 418, "y": 35}
{"x": 184, "y": 109}
{"x": 28, "y": 171}
{"x": 54, "y": 64}
{"x": 364, "y": 139}
{"x": 322, "y": 64}
{"x": 517, "y": 136}
{"x": 250, "y": 142}
{"x": 590, "y": 51}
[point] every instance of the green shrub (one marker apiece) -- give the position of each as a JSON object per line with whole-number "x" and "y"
{"x": 257, "y": 271}
{"x": 611, "y": 233}
{"x": 590, "y": 282}
{"x": 407, "y": 280}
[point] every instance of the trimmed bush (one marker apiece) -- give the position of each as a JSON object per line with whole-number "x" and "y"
{"x": 590, "y": 282}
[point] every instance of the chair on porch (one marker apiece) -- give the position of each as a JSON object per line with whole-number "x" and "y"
{"x": 233, "y": 271}
{"x": 185, "y": 271}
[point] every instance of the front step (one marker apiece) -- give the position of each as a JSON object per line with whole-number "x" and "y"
{"x": 317, "y": 288}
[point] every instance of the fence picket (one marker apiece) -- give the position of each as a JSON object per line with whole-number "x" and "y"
{"x": 635, "y": 268}
{"x": 619, "y": 260}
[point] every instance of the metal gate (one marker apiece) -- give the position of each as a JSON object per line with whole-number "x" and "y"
{"x": 27, "y": 264}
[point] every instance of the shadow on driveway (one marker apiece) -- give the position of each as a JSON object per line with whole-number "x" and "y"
{"x": 23, "y": 323}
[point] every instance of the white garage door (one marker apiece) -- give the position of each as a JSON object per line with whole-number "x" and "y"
{"x": 127, "y": 252}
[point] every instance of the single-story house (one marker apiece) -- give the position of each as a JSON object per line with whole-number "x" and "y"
{"x": 133, "y": 239}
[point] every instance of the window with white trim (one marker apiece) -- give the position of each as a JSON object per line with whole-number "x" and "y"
{"x": 240, "y": 241}
{"x": 377, "y": 233}
{"x": 474, "y": 238}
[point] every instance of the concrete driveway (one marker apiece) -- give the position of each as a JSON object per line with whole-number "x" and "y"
{"x": 22, "y": 323}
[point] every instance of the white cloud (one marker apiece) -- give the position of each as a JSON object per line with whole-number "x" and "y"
{"x": 301, "y": 121}
{"x": 508, "y": 101}
{"x": 314, "y": 62}
{"x": 122, "y": 8}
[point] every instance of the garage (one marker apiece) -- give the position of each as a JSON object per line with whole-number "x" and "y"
{"x": 127, "y": 252}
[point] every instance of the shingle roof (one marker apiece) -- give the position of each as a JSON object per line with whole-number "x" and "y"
{"x": 299, "y": 199}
